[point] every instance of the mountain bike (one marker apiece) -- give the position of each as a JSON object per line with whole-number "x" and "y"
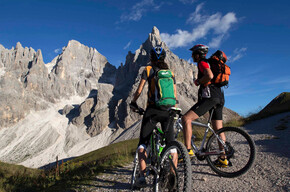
{"x": 161, "y": 173}
{"x": 239, "y": 148}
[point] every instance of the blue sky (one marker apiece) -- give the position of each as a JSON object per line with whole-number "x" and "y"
{"x": 254, "y": 34}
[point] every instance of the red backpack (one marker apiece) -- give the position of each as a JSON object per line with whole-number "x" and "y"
{"x": 219, "y": 69}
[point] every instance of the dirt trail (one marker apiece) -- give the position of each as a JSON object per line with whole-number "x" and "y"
{"x": 271, "y": 171}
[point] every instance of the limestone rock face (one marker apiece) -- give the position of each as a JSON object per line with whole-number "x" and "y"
{"x": 26, "y": 83}
{"x": 79, "y": 68}
{"x": 21, "y": 84}
{"x": 93, "y": 113}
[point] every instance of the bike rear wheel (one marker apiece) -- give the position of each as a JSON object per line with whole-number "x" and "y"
{"x": 240, "y": 152}
{"x": 171, "y": 177}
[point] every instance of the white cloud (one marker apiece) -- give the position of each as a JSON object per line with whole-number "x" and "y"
{"x": 216, "y": 25}
{"x": 128, "y": 45}
{"x": 139, "y": 9}
{"x": 238, "y": 54}
{"x": 57, "y": 50}
{"x": 216, "y": 41}
{"x": 196, "y": 17}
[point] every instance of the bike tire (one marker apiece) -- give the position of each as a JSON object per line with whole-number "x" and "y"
{"x": 173, "y": 178}
{"x": 241, "y": 152}
{"x": 135, "y": 171}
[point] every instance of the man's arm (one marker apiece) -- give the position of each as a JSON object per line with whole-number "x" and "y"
{"x": 139, "y": 90}
{"x": 208, "y": 75}
{"x": 175, "y": 93}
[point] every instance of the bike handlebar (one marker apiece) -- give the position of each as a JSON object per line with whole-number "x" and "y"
{"x": 140, "y": 111}
{"x": 137, "y": 109}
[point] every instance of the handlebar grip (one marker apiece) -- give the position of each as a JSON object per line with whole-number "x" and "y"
{"x": 141, "y": 111}
{"x": 138, "y": 110}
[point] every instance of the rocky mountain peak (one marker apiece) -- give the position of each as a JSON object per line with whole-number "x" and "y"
{"x": 153, "y": 39}
{"x": 18, "y": 46}
{"x": 128, "y": 77}
{"x": 38, "y": 58}
{"x": 73, "y": 43}
{"x": 27, "y": 82}
{"x": 155, "y": 31}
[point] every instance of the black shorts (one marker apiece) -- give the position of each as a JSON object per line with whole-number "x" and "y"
{"x": 151, "y": 117}
{"x": 204, "y": 105}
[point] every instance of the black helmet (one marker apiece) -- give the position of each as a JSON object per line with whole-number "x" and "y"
{"x": 200, "y": 49}
{"x": 157, "y": 53}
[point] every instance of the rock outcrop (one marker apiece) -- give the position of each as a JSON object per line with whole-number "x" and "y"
{"x": 22, "y": 83}
{"x": 26, "y": 83}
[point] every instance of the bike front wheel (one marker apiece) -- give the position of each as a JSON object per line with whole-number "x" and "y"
{"x": 175, "y": 169}
{"x": 150, "y": 175}
{"x": 135, "y": 171}
{"x": 239, "y": 150}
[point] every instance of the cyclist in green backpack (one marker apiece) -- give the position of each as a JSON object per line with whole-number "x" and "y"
{"x": 161, "y": 96}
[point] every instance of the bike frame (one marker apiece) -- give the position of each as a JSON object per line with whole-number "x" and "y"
{"x": 208, "y": 128}
{"x": 154, "y": 152}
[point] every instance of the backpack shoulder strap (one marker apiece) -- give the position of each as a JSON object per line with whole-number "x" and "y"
{"x": 148, "y": 70}
{"x": 172, "y": 74}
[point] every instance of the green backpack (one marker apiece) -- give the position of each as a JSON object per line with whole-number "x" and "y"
{"x": 164, "y": 89}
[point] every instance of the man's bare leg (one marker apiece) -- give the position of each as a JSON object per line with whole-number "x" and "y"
{"x": 187, "y": 127}
{"x": 142, "y": 155}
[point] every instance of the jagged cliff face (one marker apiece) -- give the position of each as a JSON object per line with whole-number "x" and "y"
{"x": 24, "y": 79}
{"x": 26, "y": 83}
{"x": 76, "y": 103}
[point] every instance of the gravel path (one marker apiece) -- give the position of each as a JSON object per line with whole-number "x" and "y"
{"x": 271, "y": 171}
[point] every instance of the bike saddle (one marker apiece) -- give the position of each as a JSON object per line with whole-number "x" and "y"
{"x": 174, "y": 111}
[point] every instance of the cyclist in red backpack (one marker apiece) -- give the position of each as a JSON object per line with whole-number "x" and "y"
{"x": 209, "y": 96}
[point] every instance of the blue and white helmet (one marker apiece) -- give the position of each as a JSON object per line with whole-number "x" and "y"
{"x": 157, "y": 53}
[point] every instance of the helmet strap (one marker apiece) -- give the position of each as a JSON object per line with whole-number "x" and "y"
{"x": 157, "y": 53}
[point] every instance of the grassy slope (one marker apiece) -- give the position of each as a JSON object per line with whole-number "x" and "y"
{"x": 16, "y": 177}
{"x": 80, "y": 169}
{"x": 73, "y": 172}
{"x": 278, "y": 105}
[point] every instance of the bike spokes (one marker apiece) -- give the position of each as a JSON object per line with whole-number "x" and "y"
{"x": 175, "y": 174}
{"x": 239, "y": 151}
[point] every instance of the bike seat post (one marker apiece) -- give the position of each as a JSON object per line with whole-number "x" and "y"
{"x": 210, "y": 115}
{"x": 192, "y": 138}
